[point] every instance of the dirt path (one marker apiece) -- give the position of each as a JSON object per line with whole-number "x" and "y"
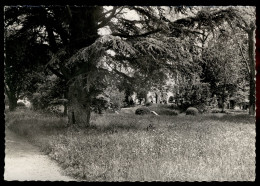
{"x": 24, "y": 161}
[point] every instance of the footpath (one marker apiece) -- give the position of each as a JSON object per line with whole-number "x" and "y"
{"x": 25, "y": 162}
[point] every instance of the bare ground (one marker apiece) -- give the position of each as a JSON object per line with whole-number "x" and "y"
{"x": 25, "y": 162}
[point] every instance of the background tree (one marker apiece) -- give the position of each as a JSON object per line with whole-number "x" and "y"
{"x": 246, "y": 22}
{"x": 222, "y": 68}
{"x": 23, "y": 58}
{"x": 208, "y": 21}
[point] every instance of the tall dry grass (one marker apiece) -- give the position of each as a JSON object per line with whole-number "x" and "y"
{"x": 119, "y": 147}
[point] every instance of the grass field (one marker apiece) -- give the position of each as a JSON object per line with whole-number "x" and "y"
{"x": 118, "y": 147}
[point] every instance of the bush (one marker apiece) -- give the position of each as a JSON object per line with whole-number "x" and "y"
{"x": 174, "y": 107}
{"x": 201, "y": 108}
{"x": 148, "y": 104}
{"x": 21, "y": 104}
{"x": 171, "y": 99}
{"x": 207, "y": 109}
{"x": 142, "y": 111}
{"x": 192, "y": 111}
{"x": 167, "y": 112}
{"x": 215, "y": 111}
{"x": 39, "y": 101}
{"x": 184, "y": 106}
{"x": 116, "y": 98}
{"x": 99, "y": 104}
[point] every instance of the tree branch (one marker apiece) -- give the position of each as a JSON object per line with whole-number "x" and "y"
{"x": 106, "y": 20}
{"x": 64, "y": 71}
{"x": 54, "y": 71}
{"x": 119, "y": 73}
{"x": 69, "y": 11}
{"x": 186, "y": 30}
{"x": 242, "y": 27}
{"x": 51, "y": 37}
{"x": 6, "y": 90}
{"x": 109, "y": 11}
{"x": 139, "y": 35}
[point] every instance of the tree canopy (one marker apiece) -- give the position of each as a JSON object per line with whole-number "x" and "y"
{"x": 84, "y": 45}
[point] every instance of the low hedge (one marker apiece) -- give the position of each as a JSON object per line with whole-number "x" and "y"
{"x": 192, "y": 111}
{"x": 142, "y": 111}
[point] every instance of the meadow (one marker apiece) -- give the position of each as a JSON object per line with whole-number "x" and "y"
{"x": 118, "y": 147}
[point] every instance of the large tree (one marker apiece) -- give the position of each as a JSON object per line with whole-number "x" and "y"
{"x": 78, "y": 49}
{"x": 246, "y": 22}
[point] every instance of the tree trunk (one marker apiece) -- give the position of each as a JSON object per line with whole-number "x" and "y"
{"x": 223, "y": 104}
{"x": 65, "y": 104}
{"x": 88, "y": 114}
{"x": 65, "y": 112}
{"x": 156, "y": 98}
{"x": 251, "y": 50}
{"x": 12, "y": 104}
{"x": 79, "y": 114}
{"x": 79, "y": 105}
{"x": 252, "y": 97}
{"x": 146, "y": 98}
{"x": 12, "y": 101}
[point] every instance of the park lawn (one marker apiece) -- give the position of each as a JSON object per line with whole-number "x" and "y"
{"x": 120, "y": 148}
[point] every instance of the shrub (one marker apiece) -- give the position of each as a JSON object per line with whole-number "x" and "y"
{"x": 116, "y": 98}
{"x": 148, "y": 104}
{"x": 215, "y": 111}
{"x": 99, "y": 104}
{"x": 171, "y": 99}
{"x": 20, "y": 104}
{"x": 174, "y": 107}
{"x": 207, "y": 109}
{"x": 168, "y": 112}
{"x": 39, "y": 101}
{"x": 192, "y": 111}
{"x": 184, "y": 106}
{"x": 173, "y": 112}
{"x": 201, "y": 108}
{"x": 142, "y": 111}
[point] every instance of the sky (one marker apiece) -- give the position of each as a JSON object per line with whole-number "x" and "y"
{"x": 129, "y": 14}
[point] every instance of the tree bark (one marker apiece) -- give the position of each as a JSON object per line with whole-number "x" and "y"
{"x": 146, "y": 98}
{"x": 79, "y": 104}
{"x": 12, "y": 102}
{"x": 65, "y": 104}
{"x": 79, "y": 114}
{"x": 12, "y": 99}
{"x": 156, "y": 98}
{"x": 223, "y": 100}
{"x": 251, "y": 50}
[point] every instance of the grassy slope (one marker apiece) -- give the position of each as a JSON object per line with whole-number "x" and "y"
{"x": 119, "y": 148}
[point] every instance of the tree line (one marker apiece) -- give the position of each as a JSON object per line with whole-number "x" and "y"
{"x": 60, "y": 53}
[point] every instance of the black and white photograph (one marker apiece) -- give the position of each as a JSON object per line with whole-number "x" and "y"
{"x": 129, "y": 93}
